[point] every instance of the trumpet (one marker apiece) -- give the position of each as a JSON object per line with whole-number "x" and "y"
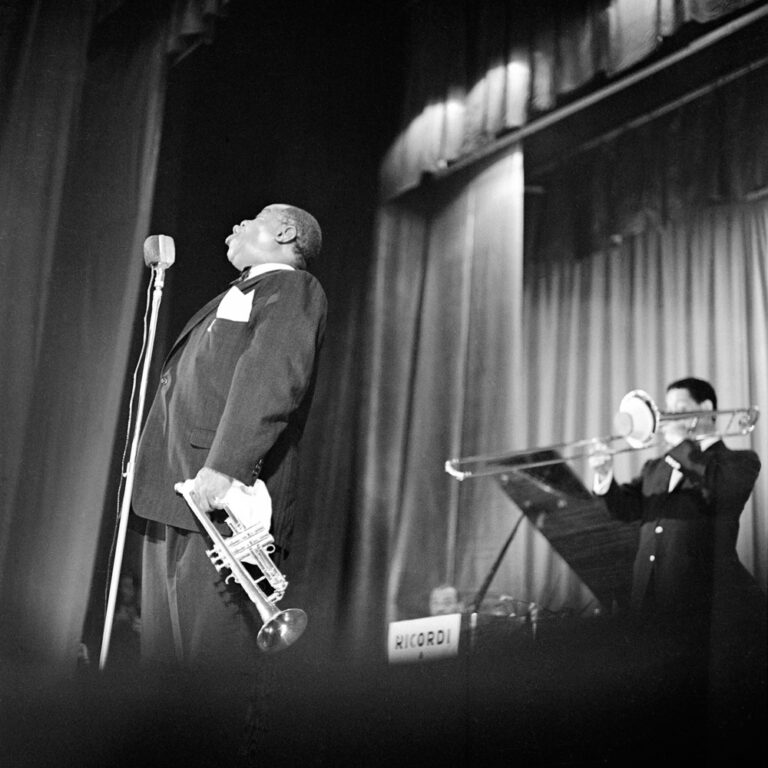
{"x": 637, "y": 422}
{"x": 251, "y": 543}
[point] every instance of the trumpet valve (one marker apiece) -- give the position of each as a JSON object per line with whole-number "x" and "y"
{"x": 255, "y": 536}
{"x": 216, "y": 558}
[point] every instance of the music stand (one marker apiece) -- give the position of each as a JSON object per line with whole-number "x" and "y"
{"x": 576, "y": 523}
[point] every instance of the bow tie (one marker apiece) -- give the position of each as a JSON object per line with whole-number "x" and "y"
{"x": 242, "y": 277}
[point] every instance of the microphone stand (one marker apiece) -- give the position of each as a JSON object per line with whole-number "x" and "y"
{"x": 158, "y": 271}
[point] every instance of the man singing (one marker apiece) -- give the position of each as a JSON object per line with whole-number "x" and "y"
{"x": 233, "y": 399}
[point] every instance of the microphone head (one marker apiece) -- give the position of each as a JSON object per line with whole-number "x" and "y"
{"x": 160, "y": 251}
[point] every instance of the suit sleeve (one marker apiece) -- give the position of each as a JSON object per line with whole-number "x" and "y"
{"x": 625, "y": 501}
{"x": 272, "y": 375}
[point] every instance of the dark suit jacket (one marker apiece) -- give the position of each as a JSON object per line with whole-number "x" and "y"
{"x": 686, "y": 555}
{"x": 234, "y": 396}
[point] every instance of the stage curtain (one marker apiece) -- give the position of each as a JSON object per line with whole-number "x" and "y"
{"x": 76, "y": 269}
{"x": 48, "y": 60}
{"x": 710, "y": 150}
{"x": 644, "y": 262}
{"x": 78, "y": 152}
{"x": 445, "y": 376}
{"x": 468, "y": 81}
{"x": 481, "y": 68}
{"x": 686, "y": 299}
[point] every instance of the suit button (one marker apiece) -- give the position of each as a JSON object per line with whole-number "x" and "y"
{"x": 658, "y": 529}
{"x": 652, "y": 558}
{"x": 164, "y": 379}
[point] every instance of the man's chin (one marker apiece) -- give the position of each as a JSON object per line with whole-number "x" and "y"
{"x": 672, "y": 439}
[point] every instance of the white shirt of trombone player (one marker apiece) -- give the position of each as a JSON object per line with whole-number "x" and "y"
{"x": 602, "y": 480}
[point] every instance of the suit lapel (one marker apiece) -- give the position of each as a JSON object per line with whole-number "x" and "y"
{"x": 676, "y": 478}
{"x": 192, "y": 322}
{"x": 659, "y": 477}
{"x": 205, "y": 310}
{"x": 661, "y": 474}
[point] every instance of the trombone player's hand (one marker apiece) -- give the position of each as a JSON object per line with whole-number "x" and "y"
{"x": 601, "y": 463}
{"x": 680, "y": 402}
{"x": 674, "y": 432}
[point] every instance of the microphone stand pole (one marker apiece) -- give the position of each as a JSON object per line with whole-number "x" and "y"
{"x": 159, "y": 277}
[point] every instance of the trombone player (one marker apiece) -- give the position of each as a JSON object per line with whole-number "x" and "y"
{"x": 688, "y": 503}
{"x": 689, "y": 588}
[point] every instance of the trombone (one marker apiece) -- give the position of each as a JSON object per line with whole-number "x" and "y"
{"x": 636, "y": 422}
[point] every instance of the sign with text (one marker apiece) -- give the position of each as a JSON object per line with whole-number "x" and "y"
{"x": 433, "y": 637}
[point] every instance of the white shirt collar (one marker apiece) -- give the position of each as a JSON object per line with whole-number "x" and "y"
{"x": 706, "y": 442}
{"x": 260, "y": 269}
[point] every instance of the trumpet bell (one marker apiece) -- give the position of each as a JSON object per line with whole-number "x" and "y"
{"x": 637, "y": 420}
{"x": 282, "y": 630}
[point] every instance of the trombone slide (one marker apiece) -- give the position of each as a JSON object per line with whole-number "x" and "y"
{"x": 637, "y": 423}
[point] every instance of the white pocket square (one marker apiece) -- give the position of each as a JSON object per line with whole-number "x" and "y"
{"x": 236, "y": 305}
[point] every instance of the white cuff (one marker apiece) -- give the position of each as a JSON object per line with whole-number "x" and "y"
{"x": 601, "y": 483}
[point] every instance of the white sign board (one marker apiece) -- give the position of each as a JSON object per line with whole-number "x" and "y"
{"x": 433, "y": 637}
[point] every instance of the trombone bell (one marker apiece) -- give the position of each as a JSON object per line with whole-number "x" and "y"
{"x": 638, "y": 419}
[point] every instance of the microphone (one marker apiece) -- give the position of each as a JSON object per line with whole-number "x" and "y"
{"x": 159, "y": 251}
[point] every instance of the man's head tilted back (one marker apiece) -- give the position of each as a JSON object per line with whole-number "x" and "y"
{"x": 280, "y": 234}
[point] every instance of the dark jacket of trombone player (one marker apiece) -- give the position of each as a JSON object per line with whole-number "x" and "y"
{"x": 688, "y": 504}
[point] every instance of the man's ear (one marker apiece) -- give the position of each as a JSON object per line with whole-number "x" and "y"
{"x": 706, "y": 405}
{"x": 287, "y": 234}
